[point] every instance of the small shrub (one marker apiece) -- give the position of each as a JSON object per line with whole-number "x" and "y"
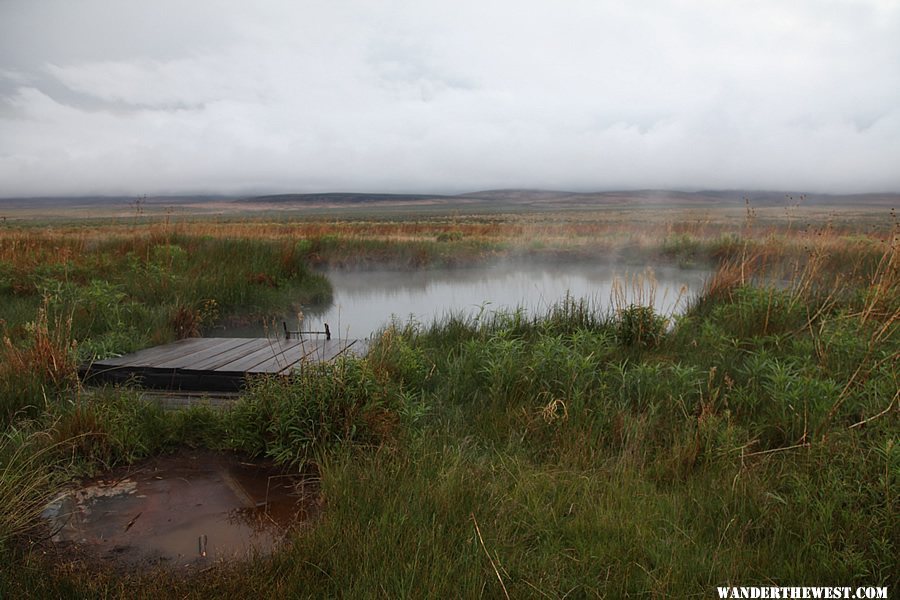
{"x": 449, "y": 236}
{"x": 319, "y": 408}
{"x": 396, "y": 358}
{"x": 185, "y": 322}
{"x": 640, "y": 326}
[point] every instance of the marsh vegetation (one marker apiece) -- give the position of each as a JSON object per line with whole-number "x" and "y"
{"x": 575, "y": 450}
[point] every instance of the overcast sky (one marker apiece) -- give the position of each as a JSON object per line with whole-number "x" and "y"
{"x": 168, "y": 96}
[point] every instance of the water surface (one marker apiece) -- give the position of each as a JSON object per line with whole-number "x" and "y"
{"x": 366, "y": 301}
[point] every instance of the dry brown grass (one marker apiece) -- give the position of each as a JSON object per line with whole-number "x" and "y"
{"x": 49, "y": 357}
{"x": 25, "y": 247}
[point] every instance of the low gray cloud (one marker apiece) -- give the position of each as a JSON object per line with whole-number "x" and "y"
{"x": 112, "y": 97}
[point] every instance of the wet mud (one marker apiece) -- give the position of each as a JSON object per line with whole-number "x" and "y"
{"x": 191, "y": 508}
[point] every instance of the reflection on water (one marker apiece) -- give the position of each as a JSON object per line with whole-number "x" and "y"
{"x": 365, "y": 301}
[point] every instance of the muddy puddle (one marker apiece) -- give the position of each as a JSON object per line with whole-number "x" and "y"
{"x": 188, "y": 509}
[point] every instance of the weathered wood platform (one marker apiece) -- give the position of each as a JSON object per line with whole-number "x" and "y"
{"x": 216, "y": 364}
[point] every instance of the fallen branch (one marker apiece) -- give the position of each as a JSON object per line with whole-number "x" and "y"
{"x": 881, "y": 414}
{"x": 760, "y": 452}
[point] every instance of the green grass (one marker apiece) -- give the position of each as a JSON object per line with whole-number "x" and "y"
{"x": 578, "y": 453}
{"x": 113, "y": 297}
{"x": 28, "y": 476}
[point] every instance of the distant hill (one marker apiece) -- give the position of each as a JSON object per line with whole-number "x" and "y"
{"x": 499, "y": 200}
{"x": 340, "y": 198}
{"x": 561, "y": 197}
{"x": 106, "y": 201}
{"x": 755, "y": 198}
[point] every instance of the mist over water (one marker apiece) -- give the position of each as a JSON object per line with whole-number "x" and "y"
{"x": 366, "y": 301}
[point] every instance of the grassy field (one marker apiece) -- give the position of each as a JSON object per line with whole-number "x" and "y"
{"x": 754, "y": 440}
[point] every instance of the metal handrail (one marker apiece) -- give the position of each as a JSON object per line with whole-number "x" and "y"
{"x": 300, "y": 334}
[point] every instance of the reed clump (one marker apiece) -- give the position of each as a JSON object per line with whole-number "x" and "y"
{"x": 28, "y": 474}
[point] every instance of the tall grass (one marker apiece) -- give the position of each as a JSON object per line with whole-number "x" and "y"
{"x": 320, "y": 407}
{"x": 36, "y": 372}
{"x": 143, "y": 285}
{"x": 71, "y": 301}
{"x": 580, "y": 452}
{"x": 29, "y": 472}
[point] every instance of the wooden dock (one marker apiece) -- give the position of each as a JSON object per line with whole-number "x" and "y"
{"x": 216, "y": 364}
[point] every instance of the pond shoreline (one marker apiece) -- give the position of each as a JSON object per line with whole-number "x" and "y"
{"x": 367, "y": 300}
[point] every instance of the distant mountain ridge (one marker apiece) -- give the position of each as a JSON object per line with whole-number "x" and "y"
{"x": 109, "y": 201}
{"x": 530, "y": 197}
{"x": 346, "y": 197}
{"x": 509, "y": 198}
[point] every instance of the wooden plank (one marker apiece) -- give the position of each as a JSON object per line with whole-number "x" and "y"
{"x": 211, "y": 364}
{"x": 327, "y": 351}
{"x": 274, "y": 356}
{"x": 317, "y": 349}
{"x": 152, "y": 356}
{"x": 216, "y": 363}
{"x": 149, "y": 355}
{"x": 277, "y": 362}
{"x": 286, "y": 361}
{"x": 248, "y": 361}
{"x": 313, "y": 356}
{"x": 173, "y": 379}
{"x": 337, "y": 349}
{"x": 215, "y": 347}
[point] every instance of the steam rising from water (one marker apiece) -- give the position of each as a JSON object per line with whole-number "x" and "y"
{"x": 366, "y": 301}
